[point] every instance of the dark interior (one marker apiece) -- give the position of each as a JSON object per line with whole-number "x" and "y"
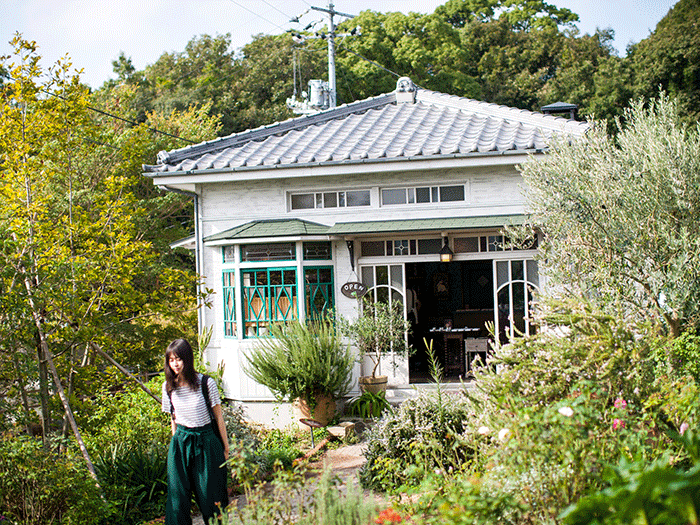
{"x": 448, "y": 304}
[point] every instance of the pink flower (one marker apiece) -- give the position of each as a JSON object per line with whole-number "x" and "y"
{"x": 618, "y": 423}
{"x": 684, "y": 427}
{"x": 620, "y": 403}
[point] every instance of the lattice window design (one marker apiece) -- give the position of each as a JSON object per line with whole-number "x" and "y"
{"x": 318, "y": 291}
{"x": 269, "y": 296}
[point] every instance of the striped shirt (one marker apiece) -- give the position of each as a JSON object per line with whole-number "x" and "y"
{"x": 190, "y": 408}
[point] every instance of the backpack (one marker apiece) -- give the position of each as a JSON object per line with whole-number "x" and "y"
{"x": 205, "y": 393}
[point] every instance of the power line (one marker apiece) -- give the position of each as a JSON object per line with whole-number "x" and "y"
{"x": 133, "y": 123}
{"x": 259, "y": 15}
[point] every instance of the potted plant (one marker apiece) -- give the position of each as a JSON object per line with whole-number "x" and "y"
{"x": 306, "y": 364}
{"x": 380, "y": 328}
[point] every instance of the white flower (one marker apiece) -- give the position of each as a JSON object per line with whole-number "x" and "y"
{"x": 504, "y": 434}
{"x": 566, "y": 411}
{"x": 483, "y": 430}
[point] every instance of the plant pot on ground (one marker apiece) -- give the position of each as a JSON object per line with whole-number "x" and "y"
{"x": 305, "y": 362}
{"x": 379, "y": 330}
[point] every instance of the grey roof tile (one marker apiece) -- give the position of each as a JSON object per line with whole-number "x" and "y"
{"x": 376, "y": 128}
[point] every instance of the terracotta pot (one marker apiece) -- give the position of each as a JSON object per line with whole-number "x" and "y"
{"x": 373, "y": 384}
{"x": 323, "y": 412}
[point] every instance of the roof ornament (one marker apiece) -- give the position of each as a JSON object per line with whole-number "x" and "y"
{"x": 405, "y": 91}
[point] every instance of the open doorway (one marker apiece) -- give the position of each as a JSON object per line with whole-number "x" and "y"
{"x": 448, "y": 304}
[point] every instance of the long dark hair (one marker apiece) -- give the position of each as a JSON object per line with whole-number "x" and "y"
{"x": 188, "y": 376}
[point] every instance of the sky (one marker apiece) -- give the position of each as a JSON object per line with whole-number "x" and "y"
{"x": 94, "y": 32}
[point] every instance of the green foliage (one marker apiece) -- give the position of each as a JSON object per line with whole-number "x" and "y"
{"x": 38, "y": 488}
{"x": 287, "y": 502}
{"x": 379, "y": 329}
{"x": 134, "y": 480}
{"x": 655, "y": 494}
{"x": 302, "y": 361}
{"x": 368, "y": 405}
{"x": 417, "y": 439}
{"x": 610, "y": 233}
{"x": 684, "y": 354}
{"x": 670, "y": 58}
{"x": 131, "y": 418}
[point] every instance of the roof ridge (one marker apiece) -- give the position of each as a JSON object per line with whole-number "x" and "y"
{"x": 497, "y": 110}
{"x": 178, "y": 155}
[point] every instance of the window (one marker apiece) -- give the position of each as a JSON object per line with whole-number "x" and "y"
{"x": 400, "y": 247}
{"x": 331, "y": 199}
{"x": 268, "y": 252}
{"x": 229, "y": 304}
{"x": 420, "y": 195}
{"x": 317, "y": 251}
{"x": 269, "y": 296}
{"x": 318, "y": 291}
{"x": 489, "y": 243}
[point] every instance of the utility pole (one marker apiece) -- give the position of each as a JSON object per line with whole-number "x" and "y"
{"x": 331, "y": 49}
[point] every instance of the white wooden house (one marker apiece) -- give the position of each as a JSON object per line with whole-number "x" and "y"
{"x": 368, "y": 192}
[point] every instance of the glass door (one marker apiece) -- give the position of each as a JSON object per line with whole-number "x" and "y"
{"x": 516, "y": 280}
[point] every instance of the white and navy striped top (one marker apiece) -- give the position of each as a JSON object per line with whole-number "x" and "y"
{"x": 190, "y": 408}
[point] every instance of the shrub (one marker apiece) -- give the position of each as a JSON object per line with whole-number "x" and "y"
{"x": 134, "y": 480}
{"x": 368, "y": 405}
{"x": 418, "y": 438}
{"x": 287, "y": 500}
{"x": 131, "y": 418}
{"x": 38, "y": 488}
{"x": 302, "y": 361}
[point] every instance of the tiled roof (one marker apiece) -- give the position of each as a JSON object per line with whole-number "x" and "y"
{"x": 381, "y": 128}
{"x": 435, "y": 224}
{"x": 270, "y": 228}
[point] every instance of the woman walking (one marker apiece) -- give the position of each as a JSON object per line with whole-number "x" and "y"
{"x": 196, "y": 453}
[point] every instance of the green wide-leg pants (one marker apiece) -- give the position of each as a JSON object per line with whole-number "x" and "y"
{"x": 195, "y": 457}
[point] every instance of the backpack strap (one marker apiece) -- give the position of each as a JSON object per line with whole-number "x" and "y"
{"x": 205, "y": 393}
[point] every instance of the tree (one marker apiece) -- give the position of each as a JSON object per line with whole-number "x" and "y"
{"x": 81, "y": 274}
{"x": 670, "y": 58}
{"x": 619, "y": 216}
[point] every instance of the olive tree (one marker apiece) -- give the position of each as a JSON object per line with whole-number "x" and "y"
{"x": 620, "y": 215}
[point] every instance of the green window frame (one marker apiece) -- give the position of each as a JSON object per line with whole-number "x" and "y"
{"x": 318, "y": 291}
{"x": 229, "y": 293}
{"x": 269, "y": 296}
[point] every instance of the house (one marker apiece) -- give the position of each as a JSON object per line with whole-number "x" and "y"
{"x": 376, "y": 192}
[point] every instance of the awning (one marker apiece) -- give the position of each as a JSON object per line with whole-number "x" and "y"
{"x": 271, "y": 228}
{"x": 438, "y": 224}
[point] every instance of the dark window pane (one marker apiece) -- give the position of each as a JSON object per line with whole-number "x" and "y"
{"x": 396, "y": 196}
{"x": 302, "y": 201}
{"x": 372, "y": 248}
{"x": 357, "y": 198}
{"x": 330, "y": 200}
{"x": 466, "y": 244}
{"x": 426, "y": 246}
{"x": 451, "y": 193}
{"x": 422, "y": 194}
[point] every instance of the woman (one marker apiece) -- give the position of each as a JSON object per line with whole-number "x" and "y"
{"x": 196, "y": 453}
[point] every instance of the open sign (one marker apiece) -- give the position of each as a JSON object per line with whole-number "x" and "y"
{"x": 353, "y": 289}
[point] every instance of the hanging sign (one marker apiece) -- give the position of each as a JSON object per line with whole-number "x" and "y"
{"x": 353, "y": 290}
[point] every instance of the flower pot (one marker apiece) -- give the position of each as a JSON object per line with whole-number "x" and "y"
{"x": 323, "y": 412}
{"x": 373, "y": 384}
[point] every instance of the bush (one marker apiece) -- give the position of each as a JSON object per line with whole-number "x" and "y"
{"x": 287, "y": 500}
{"x": 420, "y": 437}
{"x": 302, "y": 361}
{"x": 38, "y": 488}
{"x": 134, "y": 480}
{"x": 131, "y": 418}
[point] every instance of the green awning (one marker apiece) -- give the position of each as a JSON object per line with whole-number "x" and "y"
{"x": 271, "y": 228}
{"x": 423, "y": 225}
